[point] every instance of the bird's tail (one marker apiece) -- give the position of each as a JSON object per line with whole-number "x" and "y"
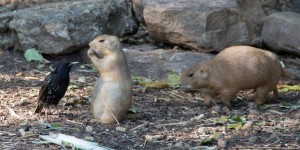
{"x": 39, "y": 108}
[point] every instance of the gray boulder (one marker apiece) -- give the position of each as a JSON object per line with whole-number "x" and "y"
{"x": 281, "y": 32}
{"x": 64, "y": 27}
{"x": 204, "y": 26}
{"x": 149, "y": 61}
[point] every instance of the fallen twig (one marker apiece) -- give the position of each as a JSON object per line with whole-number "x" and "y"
{"x": 140, "y": 126}
{"x": 12, "y": 112}
{"x": 67, "y": 140}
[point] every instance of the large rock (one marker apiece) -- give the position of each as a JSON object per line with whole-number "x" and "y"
{"x": 281, "y": 32}
{"x": 202, "y": 25}
{"x": 296, "y": 6}
{"x": 63, "y": 27}
{"x": 149, "y": 61}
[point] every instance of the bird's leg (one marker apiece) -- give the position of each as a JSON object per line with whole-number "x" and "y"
{"x": 46, "y": 113}
{"x": 58, "y": 112}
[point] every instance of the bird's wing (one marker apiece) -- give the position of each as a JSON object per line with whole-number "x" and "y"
{"x": 45, "y": 84}
{"x": 44, "y": 87}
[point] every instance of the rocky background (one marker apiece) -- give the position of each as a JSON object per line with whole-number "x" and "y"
{"x": 159, "y": 36}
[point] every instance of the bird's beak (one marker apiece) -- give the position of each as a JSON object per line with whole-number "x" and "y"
{"x": 73, "y": 63}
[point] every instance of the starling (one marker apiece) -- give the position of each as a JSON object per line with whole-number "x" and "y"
{"x": 54, "y": 86}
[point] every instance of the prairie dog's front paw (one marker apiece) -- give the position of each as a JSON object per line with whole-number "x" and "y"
{"x": 90, "y": 52}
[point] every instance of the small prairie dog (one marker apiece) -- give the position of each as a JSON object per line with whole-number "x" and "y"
{"x": 112, "y": 93}
{"x": 233, "y": 69}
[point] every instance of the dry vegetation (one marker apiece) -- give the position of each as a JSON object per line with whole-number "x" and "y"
{"x": 164, "y": 118}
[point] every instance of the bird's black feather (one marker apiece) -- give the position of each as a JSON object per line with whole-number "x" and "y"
{"x": 54, "y": 86}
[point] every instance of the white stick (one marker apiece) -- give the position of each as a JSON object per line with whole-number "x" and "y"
{"x": 62, "y": 139}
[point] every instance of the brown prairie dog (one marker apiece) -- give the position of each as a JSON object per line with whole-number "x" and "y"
{"x": 236, "y": 68}
{"x": 112, "y": 93}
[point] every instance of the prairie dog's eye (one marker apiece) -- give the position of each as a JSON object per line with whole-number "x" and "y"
{"x": 191, "y": 74}
{"x": 101, "y": 40}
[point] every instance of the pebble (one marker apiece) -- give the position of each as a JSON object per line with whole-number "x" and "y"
{"x": 252, "y": 105}
{"x": 247, "y": 125}
{"x": 226, "y": 110}
{"x": 158, "y": 126}
{"x": 179, "y": 144}
{"x": 154, "y": 137}
{"x": 88, "y": 128}
{"x": 222, "y": 143}
{"x": 253, "y": 139}
{"x": 217, "y": 109}
{"x": 197, "y": 118}
{"x": 253, "y": 112}
{"x": 121, "y": 129}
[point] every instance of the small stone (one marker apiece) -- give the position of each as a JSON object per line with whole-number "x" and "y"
{"x": 25, "y": 133}
{"x": 88, "y": 128}
{"x": 178, "y": 145}
{"x": 226, "y": 110}
{"x": 253, "y": 112}
{"x": 201, "y": 130}
{"x": 222, "y": 143}
{"x": 247, "y": 125}
{"x": 252, "y": 105}
{"x": 81, "y": 79}
{"x": 197, "y": 118}
{"x": 252, "y": 117}
{"x": 89, "y": 138}
{"x": 158, "y": 126}
{"x": 268, "y": 130}
{"x": 145, "y": 129}
{"x": 253, "y": 139}
{"x": 121, "y": 129}
{"x": 217, "y": 109}
{"x": 154, "y": 137}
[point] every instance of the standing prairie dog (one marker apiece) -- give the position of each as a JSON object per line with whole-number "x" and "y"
{"x": 233, "y": 69}
{"x": 112, "y": 93}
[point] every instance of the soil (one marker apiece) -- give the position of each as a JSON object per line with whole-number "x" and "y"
{"x": 179, "y": 119}
{"x": 162, "y": 118}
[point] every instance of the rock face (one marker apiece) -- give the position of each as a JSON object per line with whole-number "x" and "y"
{"x": 148, "y": 61}
{"x": 202, "y": 25}
{"x": 296, "y": 6}
{"x": 281, "y": 32}
{"x": 63, "y": 27}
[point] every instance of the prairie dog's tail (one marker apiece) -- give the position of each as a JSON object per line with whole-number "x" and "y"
{"x": 287, "y": 74}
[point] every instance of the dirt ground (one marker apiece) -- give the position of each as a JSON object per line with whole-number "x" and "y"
{"x": 164, "y": 118}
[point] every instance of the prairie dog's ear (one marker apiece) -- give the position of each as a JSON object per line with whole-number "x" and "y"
{"x": 202, "y": 73}
{"x": 113, "y": 42}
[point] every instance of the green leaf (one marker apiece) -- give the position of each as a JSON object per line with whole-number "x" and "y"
{"x": 221, "y": 120}
{"x": 283, "y": 90}
{"x": 140, "y": 79}
{"x": 211, "y": 139}
{"x": 33, "y": 54}
{"x": 267, "y": 106}
{"x": 286, "y": 105}
{"x": 174, "y": 80}
{"x": 294, "y": 87}
{"x": 286, "y": 88}
{"x": 40, "y": 66}
{"x": 55, "y": 125}
{"x": 236, "y": 118}
{"x": 261, "y": 123}
{"x": 132, "y": 110}
{"x": 236, "y": 126}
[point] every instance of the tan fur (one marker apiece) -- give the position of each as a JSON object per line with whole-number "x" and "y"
{"x": 236, "y": 68}
{"x": 112, "y": 92}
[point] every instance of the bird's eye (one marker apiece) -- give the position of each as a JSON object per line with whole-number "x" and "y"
{"x": 101, "y": 40}
{"x": 191, "y": 74}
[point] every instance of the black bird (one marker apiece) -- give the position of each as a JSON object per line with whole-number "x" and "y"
{"x": 54, "y": 87}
